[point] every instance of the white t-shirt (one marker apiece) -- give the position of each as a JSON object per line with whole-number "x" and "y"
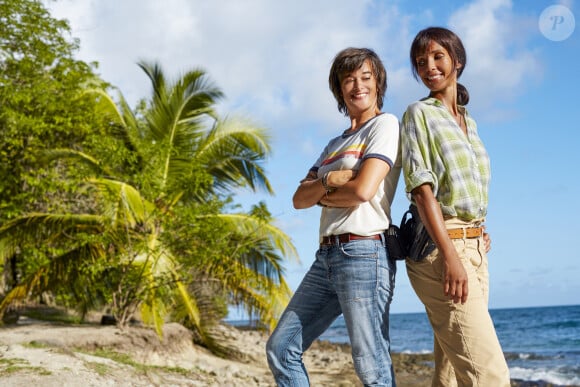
{"x": 377, "y": 138}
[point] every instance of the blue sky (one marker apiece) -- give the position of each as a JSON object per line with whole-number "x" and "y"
{"x": 271, "y": 59}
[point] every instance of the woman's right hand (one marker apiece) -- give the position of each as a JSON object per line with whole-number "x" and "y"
{"x": 454, "y": 275}
{"x": 455, "y": 283}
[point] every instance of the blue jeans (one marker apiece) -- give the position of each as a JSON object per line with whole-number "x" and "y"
{"x": 355, "y": 279}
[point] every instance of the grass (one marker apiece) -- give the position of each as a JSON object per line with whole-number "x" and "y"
{"x": 10, "y": 366}
{"x": 14, "y": 365}
{"x": 125, "y": 359}
{"x": 34, "y": 344}
{"x": 99, "y": 368}
{"x": 51, "y": 314}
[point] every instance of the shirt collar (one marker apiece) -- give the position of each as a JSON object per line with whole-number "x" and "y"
{"x": 435, "y": 102}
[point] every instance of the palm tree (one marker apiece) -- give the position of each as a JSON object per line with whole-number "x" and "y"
{"x": 148, "y": 235}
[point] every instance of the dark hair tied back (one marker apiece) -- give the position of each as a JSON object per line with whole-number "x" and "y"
{"x": 462, "y": 95}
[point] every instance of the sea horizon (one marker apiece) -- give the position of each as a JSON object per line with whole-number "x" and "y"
{"x": 540, "y": 343}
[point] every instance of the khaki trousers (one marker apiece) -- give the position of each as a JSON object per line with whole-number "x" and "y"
{"x": 466, "y": 348}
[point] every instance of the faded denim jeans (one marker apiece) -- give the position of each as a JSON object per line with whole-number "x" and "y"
{"x": 355, "y": 279}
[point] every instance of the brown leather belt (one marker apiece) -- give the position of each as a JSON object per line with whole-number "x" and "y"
{"x": 345, "y": 238}
{"x": 470, "y": 232}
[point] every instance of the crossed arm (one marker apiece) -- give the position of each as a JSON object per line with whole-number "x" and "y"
{"x": 351, "y": 187}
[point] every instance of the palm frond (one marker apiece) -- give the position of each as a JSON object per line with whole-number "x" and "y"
{"x": 175, "y": 119}
{"x": 20, "y": 292}
{"x": 157, "y": 78}
{"x": 252, "y": 226}
{"x": 124, "y": 123}
{"x": 106, "y": 106}
{"x": 95, "y": 165}
{"x": 260, "y": 293}
{"x": 153, "y": 310}
{"x": 189, "y": 304}
{"x": 266, "y": 305}
{"x": 124, "y": 203}
{"x": 63, "y": 273}
{"x": 233, "y": 152}
{"x": 39, "y": 226}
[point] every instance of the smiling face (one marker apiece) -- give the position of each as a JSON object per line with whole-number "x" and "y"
{"x": 436, "y": 67}
{"x": 359, "y": 91}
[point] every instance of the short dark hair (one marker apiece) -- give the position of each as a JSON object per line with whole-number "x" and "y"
{"x": 349, "y": 60}
{"x": 452, "y": 43}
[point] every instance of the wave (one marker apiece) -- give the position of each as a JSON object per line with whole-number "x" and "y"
{"x": 423, "y": 352}
{"x": 560, "y": 376}
{"x": 530, "y": 356}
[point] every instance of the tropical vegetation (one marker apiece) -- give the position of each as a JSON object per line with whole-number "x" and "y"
{"x": 128, "y": 210}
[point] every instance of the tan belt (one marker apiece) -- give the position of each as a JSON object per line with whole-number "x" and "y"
{"x": 470, "y": 232}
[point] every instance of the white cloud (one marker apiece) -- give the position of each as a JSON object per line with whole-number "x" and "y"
{"x": 270, "y": 58}
{"x": 497, "y": 67}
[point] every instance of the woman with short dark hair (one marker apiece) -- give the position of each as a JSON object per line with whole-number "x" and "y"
{"x": 354, "y": 181}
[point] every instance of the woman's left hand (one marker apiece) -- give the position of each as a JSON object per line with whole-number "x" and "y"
{"x": 339, "y": 178}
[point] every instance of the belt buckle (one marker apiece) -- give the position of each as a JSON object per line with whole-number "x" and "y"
{"x": 335, "y": 240}
{"x": 329, "y": 240}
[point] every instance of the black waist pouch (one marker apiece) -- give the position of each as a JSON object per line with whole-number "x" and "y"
{"x": 410, "y": 239}
{"x": 395, "y": 248}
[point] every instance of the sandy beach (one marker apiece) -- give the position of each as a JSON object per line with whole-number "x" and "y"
{"x": 36, "y": 353}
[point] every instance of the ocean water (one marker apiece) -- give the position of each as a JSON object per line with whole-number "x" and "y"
{"x": 540, "y": 343}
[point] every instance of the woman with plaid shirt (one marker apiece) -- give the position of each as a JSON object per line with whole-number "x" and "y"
{"x": 447, "y": 171}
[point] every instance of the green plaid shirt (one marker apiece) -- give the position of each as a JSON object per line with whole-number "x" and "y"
{"x": 436, "y": 151}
